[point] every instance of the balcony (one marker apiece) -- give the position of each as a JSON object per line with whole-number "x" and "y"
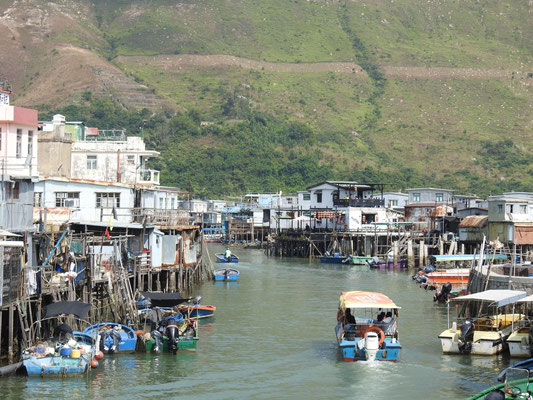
{"x": 359, "y": 202}
{"x": 161, "y": 217}
{"x": 148, "y": 177}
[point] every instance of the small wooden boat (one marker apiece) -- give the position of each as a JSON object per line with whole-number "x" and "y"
{"x": 359, "y": 335}
{"x": 336, "y": 258}
{"x": 486, "y": 322}
{"x": 226, "y": 274}
{"x": 221, "y": 258}
{"x": 381, "y": 263}
{"x": 197, "y": 310}
{"x": 66, "y": 353}
{"x": 516, "y": 386}
{"x": 114, "y": 338}
{"x": 357, "y": 260}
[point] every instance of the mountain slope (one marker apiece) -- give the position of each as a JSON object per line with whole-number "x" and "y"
{"x": 437, "y": 91}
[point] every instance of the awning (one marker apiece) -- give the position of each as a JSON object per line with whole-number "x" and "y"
{"x": 362, "y": 299}
{"x": 164, "y": 299}
{"x": 499, "y": 298}
{"x": 77, "y": 308}
{"x": 528, "y": 299}
{"x": 467, "y": 257}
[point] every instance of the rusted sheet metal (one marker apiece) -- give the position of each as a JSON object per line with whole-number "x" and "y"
{"x": 474, "y": 221}
{"x": 189, "y": 252}
{"x": 523, "y": 234}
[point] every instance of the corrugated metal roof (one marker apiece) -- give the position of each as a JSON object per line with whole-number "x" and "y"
{"x": 474, "y": 221}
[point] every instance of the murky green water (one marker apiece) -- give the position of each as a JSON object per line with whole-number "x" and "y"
{"x": 273, "y": 338}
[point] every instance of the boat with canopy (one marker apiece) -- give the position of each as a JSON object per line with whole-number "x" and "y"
{"x": 486, "y": 320}
{"x": 367, "y": 327}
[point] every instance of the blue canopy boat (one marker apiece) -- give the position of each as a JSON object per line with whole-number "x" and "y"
{"x": 221, "y": 258}
{"x": 67, "y": 352}
{"x": 226, "y": 274}
{"x": 359, "y": 335}
{"x": 114, "y": 338}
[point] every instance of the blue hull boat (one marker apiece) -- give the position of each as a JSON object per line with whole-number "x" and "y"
{"x": 222, "y": 259}
{"x": 226, "y": 274}
{"x": 115, "y": 338}
{"x": 38, "y": 364}
{"x": 197, "y": 311}
{"x": 364, "y": 338}
{"x": 526, "y": 364}
{"x": 334, "y": 259}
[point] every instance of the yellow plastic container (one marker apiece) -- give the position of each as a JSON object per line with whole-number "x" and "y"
{"x": 75, "y": 353}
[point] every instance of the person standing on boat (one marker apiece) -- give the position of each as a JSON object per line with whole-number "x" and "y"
{"x": 227, "y": 255}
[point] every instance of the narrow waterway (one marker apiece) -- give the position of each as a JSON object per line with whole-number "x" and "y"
{"x": 273, "y": 338}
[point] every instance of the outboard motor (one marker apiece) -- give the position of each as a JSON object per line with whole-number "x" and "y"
{"x": 172, "y": 335}
{"x": 158, "y": 337}
{"x": 197, "y": 300}
{"x": 104, "y": 335}
{"x": 371, "y": 345}
{"x": 444, "y": 293}
{"x": 467, "y": 336}
{"x": 115, "y": 336}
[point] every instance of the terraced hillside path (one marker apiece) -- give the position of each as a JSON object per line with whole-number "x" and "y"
{"x": 184, "y": 62}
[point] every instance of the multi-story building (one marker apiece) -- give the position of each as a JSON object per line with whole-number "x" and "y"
{"x": 18, "y": 159}
{"x": 511, "y": 218}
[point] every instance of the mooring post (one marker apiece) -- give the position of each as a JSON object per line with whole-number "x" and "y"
{"x": 421, "y": 253}
{"x": 10, "y": 337}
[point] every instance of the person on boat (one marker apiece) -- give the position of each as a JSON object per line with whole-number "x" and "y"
{"x": 63, "y": 331}
{"x": 350, "y": 319}
{"x": 381, "y": 315}
{"x": 227, "y": 255}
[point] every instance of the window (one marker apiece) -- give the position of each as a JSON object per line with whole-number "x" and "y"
{"x": 172, "y": 201}
{"x": 0, "y": 138}
{"x": 107, "y": 200}
{"x": 38, "y": 199}
{"x": 15, "y": 190}
{"x": 19, "y": 143}
{"x": 307, "y": 196}
{"x": 439, "y": 197}
{"x": 91, "y": 162}
{"x": 523, "y": 209}
{"x": 161, "y": 203}
{"x": 289, "y": 200}
{"x": 393, "y": 203}
{"x": 416, "y": 197}
{"x": 68, "y": 199}
{"x": 319, "y": 196}
{"x": 510, "y": 208}
{"x": 500, "y": 208}
{"x": 30, "y": 143}
{"x": 131, "y": 160}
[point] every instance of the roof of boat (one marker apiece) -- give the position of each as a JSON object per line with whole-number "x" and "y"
{"x": 527, "y": 299}
{"x": 466, "y": 257}
{"x": 500, "y": 298}
{"x": 77, "y": 308}
{"x": 362, "y": 299}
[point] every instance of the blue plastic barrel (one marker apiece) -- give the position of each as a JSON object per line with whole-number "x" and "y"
{"x": 65, "y": 352}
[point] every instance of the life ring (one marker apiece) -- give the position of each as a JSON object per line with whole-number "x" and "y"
{"x": 379, "y": 331}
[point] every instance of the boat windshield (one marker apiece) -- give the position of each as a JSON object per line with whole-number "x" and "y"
{"x": 360, "y": 320}
{"x": 517, "y": 382}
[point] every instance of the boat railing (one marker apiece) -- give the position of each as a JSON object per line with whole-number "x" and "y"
{"x": 360, "y": 329}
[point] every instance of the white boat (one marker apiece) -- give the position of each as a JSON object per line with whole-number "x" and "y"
{"x": 521, "y": 341}
{"x": 486, "y": 322}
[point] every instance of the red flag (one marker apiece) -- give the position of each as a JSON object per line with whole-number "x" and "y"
{"x": 107, "y": 235}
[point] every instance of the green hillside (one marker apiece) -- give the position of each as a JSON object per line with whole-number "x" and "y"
{"x": 443, "y": 99}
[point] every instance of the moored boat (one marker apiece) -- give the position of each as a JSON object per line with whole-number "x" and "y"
{"x": 357, "y": 260}
{"x": 170, "y": 330}
{"x": 221, "y": 258}
{"x": 197, "y": 310}
{"x": 520, "y": 341}
{"x": 114, "y": 338}
{"x": 367, "y": 327}
{"x": 226, "y": 274}
{"x": 336, "y": 258}
{"x": 64, "y": 353}
{"x": 486, "y": 322}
